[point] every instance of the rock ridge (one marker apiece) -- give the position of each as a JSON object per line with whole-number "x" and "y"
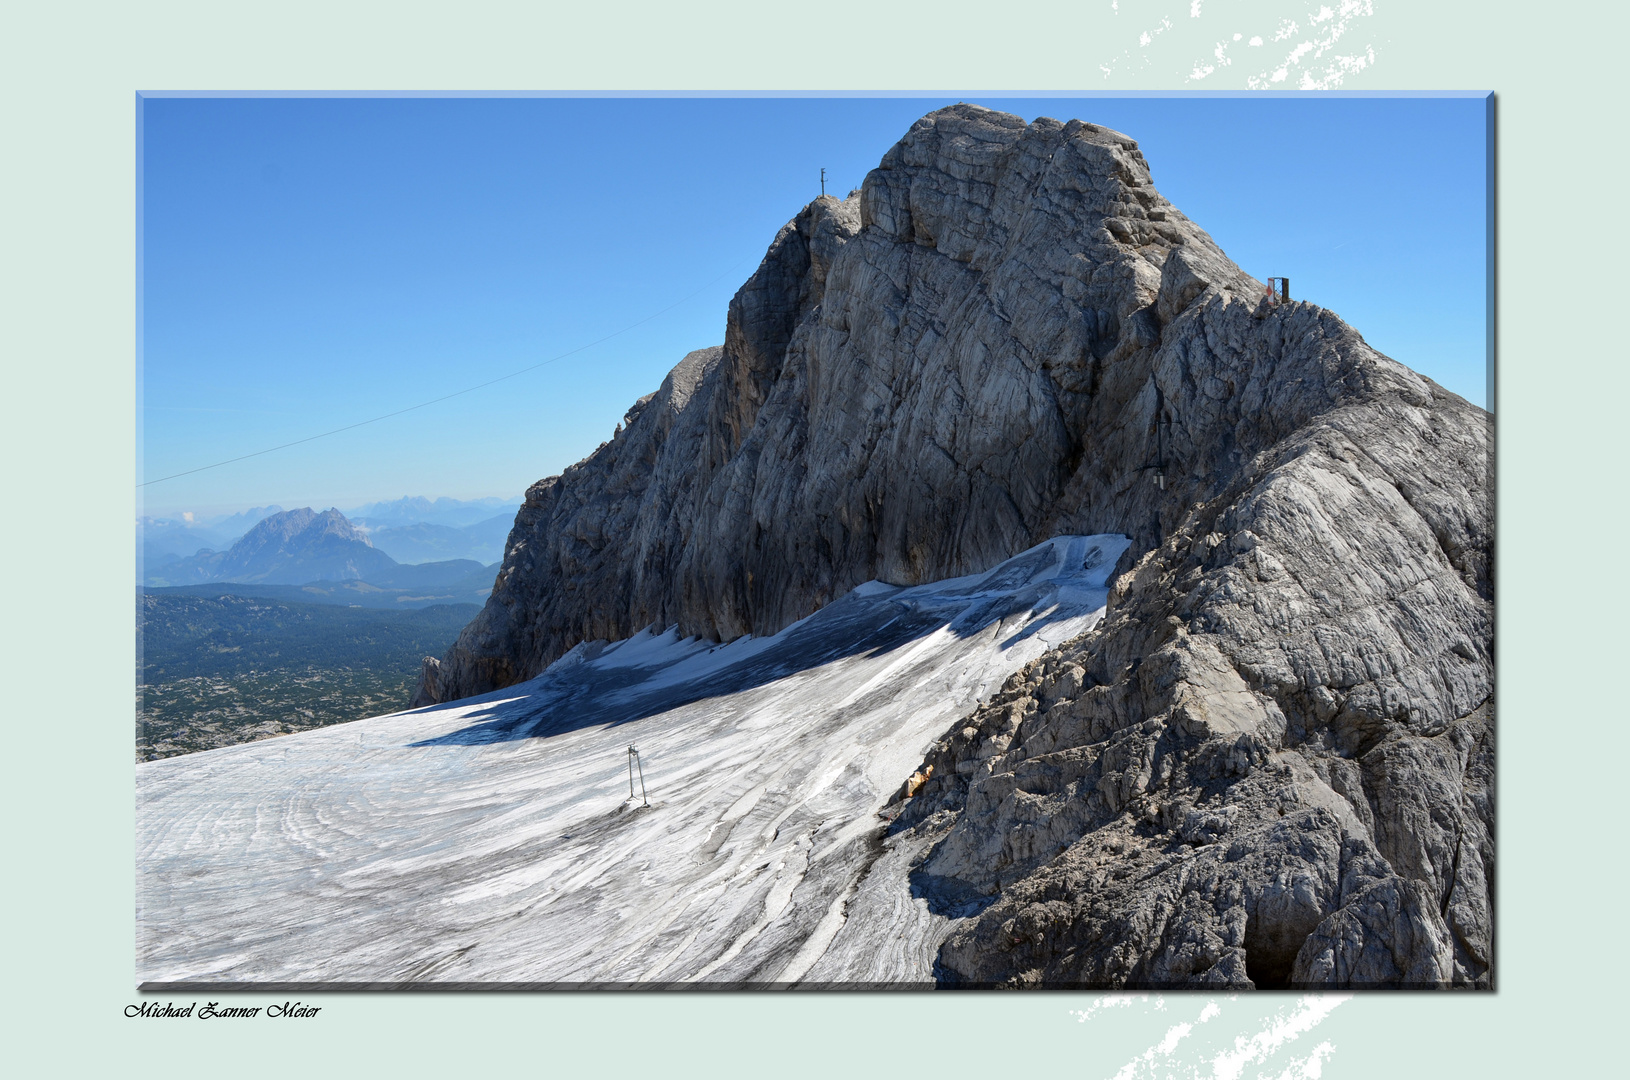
{"x": 918, "y": 381}
{"x": 1271, "y": 764}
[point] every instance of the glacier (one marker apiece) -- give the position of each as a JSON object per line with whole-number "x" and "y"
{"x": 492, "y": 841}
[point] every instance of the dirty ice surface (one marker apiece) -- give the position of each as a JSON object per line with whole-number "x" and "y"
{"x": 493, "y": 839}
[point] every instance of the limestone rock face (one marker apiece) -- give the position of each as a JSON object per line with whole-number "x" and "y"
{"x": 1271, "y": 764}
{"x": 918, "y": 381}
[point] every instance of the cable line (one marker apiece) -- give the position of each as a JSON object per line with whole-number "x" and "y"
{"x": 454, "y": 394}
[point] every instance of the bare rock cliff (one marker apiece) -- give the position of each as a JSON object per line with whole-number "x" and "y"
{"x": 1272, "y": 763}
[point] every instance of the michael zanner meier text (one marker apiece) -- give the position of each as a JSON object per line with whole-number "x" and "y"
{"x": 214, "y": 1010}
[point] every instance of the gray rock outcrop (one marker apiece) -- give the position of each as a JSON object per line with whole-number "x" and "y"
{"x": 1272, "y": 763}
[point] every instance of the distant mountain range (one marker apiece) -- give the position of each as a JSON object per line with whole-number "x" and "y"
{"x": 452, "y": 513}
{"x": 288, "y": 548}
{"x": 322, "y": 558}
{"x": 425, "y": 541}
{"x": 166, "y": 539}
{"x": 411, "y": 530}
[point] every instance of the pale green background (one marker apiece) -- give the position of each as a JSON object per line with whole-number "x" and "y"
{"x": 68, "y": 258}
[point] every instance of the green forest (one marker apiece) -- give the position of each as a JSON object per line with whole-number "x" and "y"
{"x": 225, "y": 669}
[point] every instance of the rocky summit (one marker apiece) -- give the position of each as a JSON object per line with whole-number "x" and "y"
{"x": 291, "y": 547}
{"x": 1271, "y": 763}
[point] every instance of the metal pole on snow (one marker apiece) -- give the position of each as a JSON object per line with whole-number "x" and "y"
{"x": 633, "y": 763}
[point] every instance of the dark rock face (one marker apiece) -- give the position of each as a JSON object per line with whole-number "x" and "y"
{"x": 1272, "y": 763}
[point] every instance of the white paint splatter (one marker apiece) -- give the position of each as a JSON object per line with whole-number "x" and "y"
{"x": 1328, "y": 27}
{"x": 1308, "y": 1068}
{"x": 1320, "y": 56}
{"x": 1182, "y": 1054}
{"x": 1258, "y": 1048}
{"x": 1108, "y": 1001}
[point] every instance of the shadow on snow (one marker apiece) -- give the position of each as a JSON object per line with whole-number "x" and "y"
{"x": 575, "y": 693}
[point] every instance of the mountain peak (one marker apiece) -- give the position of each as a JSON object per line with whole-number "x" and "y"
{"x": 289, "y": 524}
{"x": 291, "y": 547}
{"x": 1010, "y": 336}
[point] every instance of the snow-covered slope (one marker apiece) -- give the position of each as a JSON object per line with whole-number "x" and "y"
{"x": 493, "y": 839}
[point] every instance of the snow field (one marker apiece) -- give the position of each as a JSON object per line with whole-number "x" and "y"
{"x": 492, "y": 839}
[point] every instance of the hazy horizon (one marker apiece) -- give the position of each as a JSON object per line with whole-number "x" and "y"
{"x": 208, "y": 513}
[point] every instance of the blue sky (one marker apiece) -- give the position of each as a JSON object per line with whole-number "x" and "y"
{"x": 308, "y": 264}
